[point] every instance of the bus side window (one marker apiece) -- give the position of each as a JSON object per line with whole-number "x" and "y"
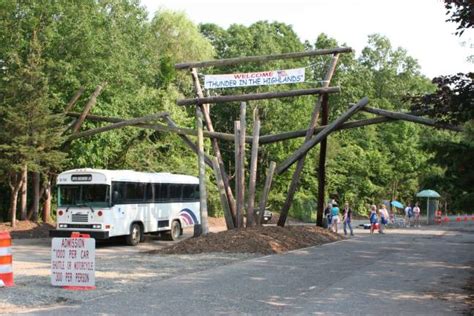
{"x": 196, "y": 194}
{"x": 135, "y": 192}
{"x": 188, "y": 190}
{"x": 161, "y": 192}
{"x": 175, "y": 193}
{"x": 149, "y": 197}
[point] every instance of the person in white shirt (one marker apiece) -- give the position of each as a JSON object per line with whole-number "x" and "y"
{"x": 383, "y": 214}
{"x": 416, "y": 214}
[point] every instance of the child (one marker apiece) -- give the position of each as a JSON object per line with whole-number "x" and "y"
{"x": 373, "y": 218}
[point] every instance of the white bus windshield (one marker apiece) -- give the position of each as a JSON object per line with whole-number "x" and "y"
{"x": 84, "y": 195}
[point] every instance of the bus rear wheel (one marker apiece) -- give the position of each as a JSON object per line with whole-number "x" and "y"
{"x": 135, "y": 235}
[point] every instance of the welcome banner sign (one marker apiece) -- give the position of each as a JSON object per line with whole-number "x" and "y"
{"x": 261, "y": 78}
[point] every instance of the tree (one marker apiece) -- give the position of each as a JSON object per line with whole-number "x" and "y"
{"x": 452, "y": 103}
{"x": 29, "y": 132}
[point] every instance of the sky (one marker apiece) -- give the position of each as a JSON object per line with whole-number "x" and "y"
{"x": 416, "y": 25}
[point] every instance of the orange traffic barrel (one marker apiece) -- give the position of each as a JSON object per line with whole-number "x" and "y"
{"x": 6, "y": 260}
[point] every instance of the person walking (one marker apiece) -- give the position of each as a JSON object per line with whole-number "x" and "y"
{"x": 408, "y": 214}
{"x": 347, "y": 218}
{"x": 327, "y": 214}
{"x": 416, "y": 215}
{"x": 373, "y": 218}
{"x": 383, "y": 213}
{"x": 335, "y": 216}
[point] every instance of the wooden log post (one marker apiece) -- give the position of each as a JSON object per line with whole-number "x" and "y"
{"x": 243, "y": 127}
{"x": 412, "y": 118}
{"x": 238, "y": 167}
{"x": 253, "y": 174}
{"x": 320, "y": 136}
{"x": 74, "y": 99}
{"x": 309, "y": 133}
{"x": 190, "y": 143}
{"x": 121, "y": 124}
{"x": 222, "y": 194}
{"x": 322, "y": 165}
{"x": 257, "y": 96}
{"x": 203, "y": 228}
{"x": 269, "y": 139}
{"x": 92, "y": 101}
{"x": 162, "y": 128}
{"x": 262, "y": 58}
{"x": 215, "y": 145}
{"x": 266, "y": 191}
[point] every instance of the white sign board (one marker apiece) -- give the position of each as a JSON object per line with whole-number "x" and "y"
{"x": 73, "y": 262}
{"x": 262, "y": 78}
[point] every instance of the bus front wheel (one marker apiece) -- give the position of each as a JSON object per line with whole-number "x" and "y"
{"x": 175, "y": 230}
{"x": 135, "y": 235}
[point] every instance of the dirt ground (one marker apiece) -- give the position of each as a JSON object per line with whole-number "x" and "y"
{"x": 261, "y": 240}
{"x": 27, "y": 229}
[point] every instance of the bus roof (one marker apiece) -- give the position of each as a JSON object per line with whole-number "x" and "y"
{"x": 107, "y": 176}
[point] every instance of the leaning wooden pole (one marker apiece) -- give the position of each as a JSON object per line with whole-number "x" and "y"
{"x": 322, "y": 164}
{"x": 92, "y": 101}
{"x": 203, "y": 228}
{"x": 303, "y": 150}
{"x": 74, "y": 99}
{"x": 224, "y": 202}
{"x": 266, "y": 191}
{"x": 215, "y": 145}
{"x": 189, "y": 142}
{"x": 412, "y": 118}
{"x": 309, "y": 133}
{"x": 121, "y": 124}
{"x": 253, "y": 174}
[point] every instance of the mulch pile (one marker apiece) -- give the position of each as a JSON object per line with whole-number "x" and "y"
{"x": 263, "y": 240}
{"x": 27, "y": 229}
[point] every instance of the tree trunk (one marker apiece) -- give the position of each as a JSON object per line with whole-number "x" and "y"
{"x": 47, "y": 201}
{"x": 15, "y": 183}
{"x": 24, "y": 193}
{"x": 36, "y": 196}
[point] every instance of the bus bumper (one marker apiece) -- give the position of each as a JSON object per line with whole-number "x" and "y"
{"x": 91, "y": 233}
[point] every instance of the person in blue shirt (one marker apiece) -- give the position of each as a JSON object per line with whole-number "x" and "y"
{"x": 373, "y": 218}
{"x": 335, "y": 216}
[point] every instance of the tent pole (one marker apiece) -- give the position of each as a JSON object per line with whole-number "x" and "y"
{"x": 427, "y": 211}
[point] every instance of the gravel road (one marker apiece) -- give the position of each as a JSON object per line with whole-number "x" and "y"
{"x": 119, "y": 269}
{"x": 406, "y": 271}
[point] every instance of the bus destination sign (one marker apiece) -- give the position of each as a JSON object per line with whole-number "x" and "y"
{"x": 81, "y": 177}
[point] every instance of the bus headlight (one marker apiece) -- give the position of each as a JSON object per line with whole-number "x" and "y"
{"x": 97, "y": 226}
{"x": 62, "y": 225}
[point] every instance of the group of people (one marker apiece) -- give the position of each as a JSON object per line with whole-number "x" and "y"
{"x": 412, "y": 215}
{"x": 333, "y": 217}
{"x": 378, "y": 217}
{"x": 381, "y": 218}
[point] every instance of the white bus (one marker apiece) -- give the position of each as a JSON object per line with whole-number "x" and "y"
{"x": 109, "y": 203}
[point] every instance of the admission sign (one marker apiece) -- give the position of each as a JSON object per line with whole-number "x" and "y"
{"x": 73, "y": 262}
{"x": 261, "y": 78}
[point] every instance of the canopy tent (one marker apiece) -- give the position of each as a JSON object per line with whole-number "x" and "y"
{"x": 428, "y": 194}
